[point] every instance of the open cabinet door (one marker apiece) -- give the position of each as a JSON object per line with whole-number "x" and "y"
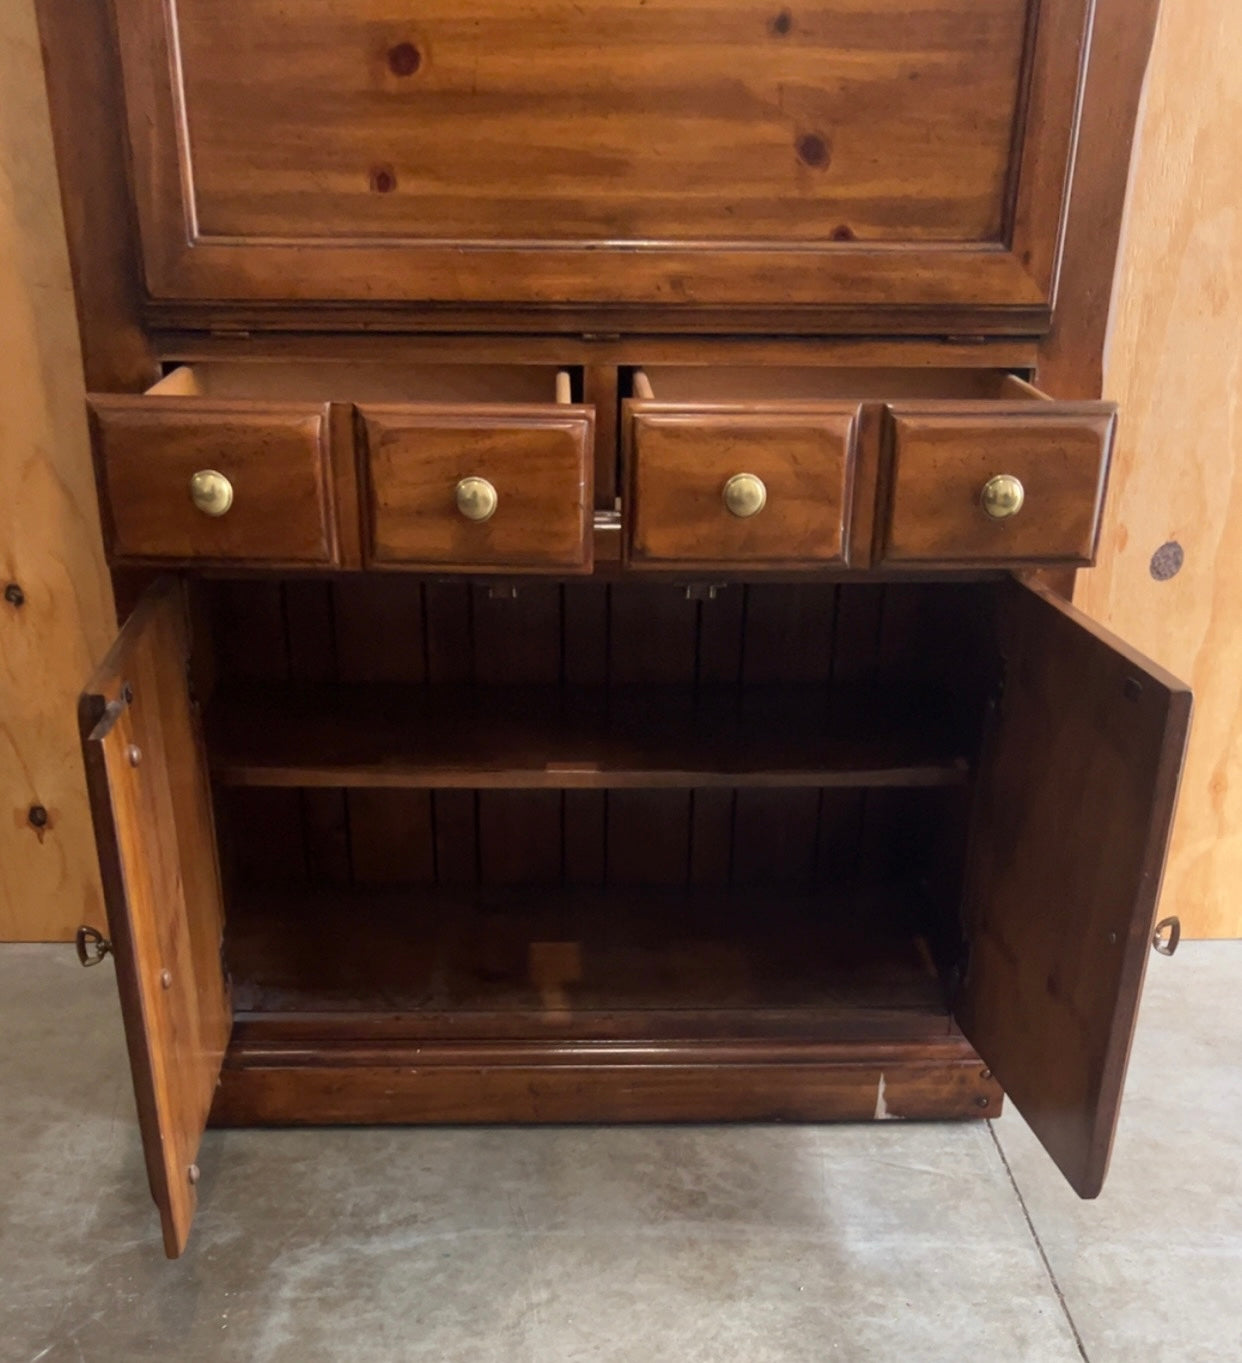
{"x": 152, "y": 810}
{"x": 1077, "y": 786}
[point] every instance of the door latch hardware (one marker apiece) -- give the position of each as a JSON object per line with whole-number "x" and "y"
{"x": 1167, "y": 945}
{"x": 92, "y": 945}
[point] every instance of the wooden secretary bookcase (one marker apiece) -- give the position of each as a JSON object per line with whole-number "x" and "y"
{"x": 590, "y": 508}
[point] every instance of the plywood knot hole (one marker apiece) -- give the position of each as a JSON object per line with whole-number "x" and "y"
{"x": 1167, "y": 561}
{"x": 383, "y": 179}
{"x": 404, "y": 59}
{"x": 780, "y": 24}
{"x": 813, "y": 150}
{"x": 36, "y": 816}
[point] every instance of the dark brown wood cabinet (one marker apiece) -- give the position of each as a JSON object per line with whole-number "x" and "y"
{"x": 582, "y": 475}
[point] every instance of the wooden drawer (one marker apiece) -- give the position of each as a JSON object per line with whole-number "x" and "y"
{"x": 1016, "y": 480}
{"x": 274, "y": 443}
{"x": 926, "y": 467}
{"x": 501, "y": 483}
{"x": 760, "y": 483}
{"x": 258, "y": 466}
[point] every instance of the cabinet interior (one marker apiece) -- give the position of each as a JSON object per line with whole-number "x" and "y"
{"x": 707, "y": 383}
{"x": 346, "y": 381}
{"x": 593, "y": 809}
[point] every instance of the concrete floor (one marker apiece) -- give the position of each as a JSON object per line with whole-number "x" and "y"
{"x": 747, "y": 1244}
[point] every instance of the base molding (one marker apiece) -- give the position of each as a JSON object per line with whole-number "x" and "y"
{"x": 378, "y": 1082}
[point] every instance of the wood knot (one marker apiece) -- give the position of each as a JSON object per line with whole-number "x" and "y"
{"x": 780, "y": 24}
{"x": 813, "y": 150}
{"x": 404, "y": 59}
{"x": 383, "y": 179}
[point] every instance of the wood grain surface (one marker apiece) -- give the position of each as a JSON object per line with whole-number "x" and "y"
{"x": 1170, "y": 568}
{"x": 680, "y": 457}
{"x": 608, "y": 153}
{"x": 273, "y": 1086}
{"x": 274, "y": 454}
{"x": 943, "y": 455}
{"x": 58, "y": 619}
{"x": 529, "y": 737}
{"x": 539, "y": 459}
{"x": 1070, "y": 826}
{"x": 151, "y": 803}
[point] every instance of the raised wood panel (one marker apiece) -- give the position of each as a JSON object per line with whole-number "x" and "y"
{"x": 943, "y": 455}
{"x": 274, "y": 455}
{"x": 606, "y": 154}
{"x": 1170, "y": 566}
{"x": 1070, "y": 826}
{"x": 540, "y": 463}
{"x": 56, "y": 612}
{"x": 679, "y": 460}
{"x": 153, "y": 819}
{"x": 523, "y": 121}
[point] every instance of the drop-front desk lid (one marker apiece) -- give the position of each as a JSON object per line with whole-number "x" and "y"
{"x": 908, "y": 156}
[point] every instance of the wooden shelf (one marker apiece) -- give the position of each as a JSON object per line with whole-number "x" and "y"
{"x": 581, "y": 964}
{"x": 576, "y": 738}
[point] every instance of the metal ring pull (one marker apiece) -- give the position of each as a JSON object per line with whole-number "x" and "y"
{"x": 92, "y": 946}
{"x": 745, "y": 495}
{"x": 211, "y": 492}
{"x": 1002, "y": 496}
{"x": 477, "y": 499}
{"x": 1166, "y": 946}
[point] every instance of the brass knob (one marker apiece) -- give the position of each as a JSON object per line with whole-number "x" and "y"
{"x": 745, "y": 495}
{"x": 211, "y": 492}
{"x": 1002, "y": 496}
{"x": 476, "y": 499}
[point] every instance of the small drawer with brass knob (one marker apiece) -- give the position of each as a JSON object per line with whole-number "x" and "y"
{"x": 1014, "y": 481}
{"x": 725, "y": 483}
{"x": 191, "y": 474}
{"x": 498, "y": 481}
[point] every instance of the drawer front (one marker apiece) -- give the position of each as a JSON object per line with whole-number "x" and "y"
{"x": 275, "y": 461}
{"x": 473, "y": 490}
{"x": 687, "y": 468}
{"x": 1039, "y": 467}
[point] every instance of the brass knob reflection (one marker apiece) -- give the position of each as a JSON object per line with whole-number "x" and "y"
{"x": 1002, "y": 496}
{"x": 211, "y": 492}
{"x": 476, "y": 499}
{"x": 745, "y": 495}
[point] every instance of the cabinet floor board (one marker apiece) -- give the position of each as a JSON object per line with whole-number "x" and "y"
{"x": 580, "y": 964}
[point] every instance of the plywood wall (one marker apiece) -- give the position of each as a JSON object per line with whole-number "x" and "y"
{"x": 1175, "y": 365}
{"x": 50, "y": 549}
